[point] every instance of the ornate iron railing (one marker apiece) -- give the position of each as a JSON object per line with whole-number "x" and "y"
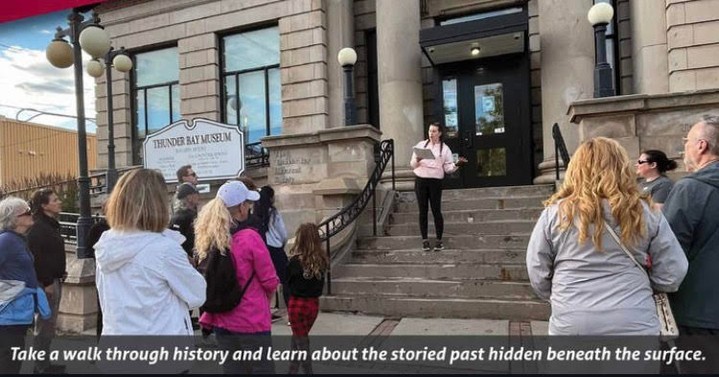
{"x": 384, "y": 153}
{"x": 560, "y": 148}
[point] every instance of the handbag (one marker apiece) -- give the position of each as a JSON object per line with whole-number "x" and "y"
{"x": 668, "y": 328}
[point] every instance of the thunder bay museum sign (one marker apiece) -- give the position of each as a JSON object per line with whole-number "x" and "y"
{"x": 215, "y": 150}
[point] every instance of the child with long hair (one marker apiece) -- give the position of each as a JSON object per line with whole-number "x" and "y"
{"x": 305, "y": 278}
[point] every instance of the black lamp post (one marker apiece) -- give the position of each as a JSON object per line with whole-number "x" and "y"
{"x": 600, "y": 15}
{"x": 89, "y": 36}
{"x": 123, "y": 63}
{"x": 347, "y": 58}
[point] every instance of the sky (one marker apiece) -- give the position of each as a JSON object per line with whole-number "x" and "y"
{"x": 29, "y": 81}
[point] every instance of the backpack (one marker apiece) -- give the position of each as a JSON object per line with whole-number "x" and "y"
{"x": 223, "y": 289}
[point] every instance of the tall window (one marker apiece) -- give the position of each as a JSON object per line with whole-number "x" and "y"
{"x": 156, "y": 92}
{"x": 251, "y": 73}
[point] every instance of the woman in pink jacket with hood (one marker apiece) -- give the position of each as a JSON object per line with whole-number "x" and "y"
{"x": 247, "y": 326}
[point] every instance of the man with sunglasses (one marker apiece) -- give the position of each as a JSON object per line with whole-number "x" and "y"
{"x": 692, "y": 209}
{"x": 185, "y": 174}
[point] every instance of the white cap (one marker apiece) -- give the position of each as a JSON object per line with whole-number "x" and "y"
{"x": 235, "y": 192}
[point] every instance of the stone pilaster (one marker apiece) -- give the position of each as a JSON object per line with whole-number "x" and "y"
{"x": 567, "y": 61}
{"x": 400, "y": 80}
{"x": 649, "y": 41}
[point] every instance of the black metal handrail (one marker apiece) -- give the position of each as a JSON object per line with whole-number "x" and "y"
{"x": 256, "y": 156}
{"x": 68, "y": 225}
{"x": 559, "y": 148}
{"x": 384, "y": 152}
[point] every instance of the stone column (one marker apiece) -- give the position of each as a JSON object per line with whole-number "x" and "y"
{"x": 649, "y": 47}
{"x": 400, "y": 81}
{"x": 567, "y": 72}
{"x": 340, "y": 34}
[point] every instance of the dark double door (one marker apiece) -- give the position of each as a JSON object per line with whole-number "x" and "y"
{"x": 486, "y": 111}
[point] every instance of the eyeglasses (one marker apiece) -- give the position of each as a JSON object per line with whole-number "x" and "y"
{"x": 193, "y": 174}
{"x": 26, "y": 213}
{"x": 639, "y": 162}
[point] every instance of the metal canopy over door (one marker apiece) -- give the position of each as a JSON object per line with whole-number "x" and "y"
{"x": 486, "y": 111}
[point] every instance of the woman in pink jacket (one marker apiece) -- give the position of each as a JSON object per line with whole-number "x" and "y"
{"x": 428, "y": 184}
{"x": 247, "y": 326}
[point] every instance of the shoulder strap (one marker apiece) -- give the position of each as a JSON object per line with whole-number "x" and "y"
{"x": 232, "y": 260}
{"x": 426, "y": 143}
{"x": 624, "y": 248}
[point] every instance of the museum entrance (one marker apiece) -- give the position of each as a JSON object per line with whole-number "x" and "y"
{"x": 486, "y": 108}
{"x": 482, "y": 95}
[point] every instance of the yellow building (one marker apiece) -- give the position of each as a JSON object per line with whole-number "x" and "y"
{"x": 28, "y": 150}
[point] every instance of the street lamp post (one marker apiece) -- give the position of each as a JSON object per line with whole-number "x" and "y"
{"x": 123, "y": 63}
{"x": 91, "y": 38}
{"x": 600, "y": 15}
{"x": 347, "y": 57}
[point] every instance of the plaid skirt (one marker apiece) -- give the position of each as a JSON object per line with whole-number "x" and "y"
{"x": 302, "y": 313}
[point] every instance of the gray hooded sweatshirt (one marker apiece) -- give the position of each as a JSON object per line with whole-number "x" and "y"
{"x": 692, "y": 209}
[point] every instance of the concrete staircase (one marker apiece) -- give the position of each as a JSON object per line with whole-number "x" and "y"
{"x": 480, "y": 274}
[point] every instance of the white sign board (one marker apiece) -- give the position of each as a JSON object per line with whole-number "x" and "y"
{"x": 215, "y": 150}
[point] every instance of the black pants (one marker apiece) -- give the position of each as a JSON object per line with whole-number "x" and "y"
{"x": 429, "y": 190}
{"x": 696, "y": 338}
{"x": 279, "y": 259}
{"x": 11, "y": 336}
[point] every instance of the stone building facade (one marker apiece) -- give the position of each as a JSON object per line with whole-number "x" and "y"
{"x": 533, "y": 68}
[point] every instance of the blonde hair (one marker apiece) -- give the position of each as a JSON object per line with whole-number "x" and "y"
{"x": 139, "y": 201}
{"x": 212, "y": 228}
{"x": 600, "y": 169}
{"x": 308, "y": 248}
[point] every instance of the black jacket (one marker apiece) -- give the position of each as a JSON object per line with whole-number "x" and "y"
{"x": 299, "y": 285}
{"x": 183, "y": 222}
{"x": 48, "y": 248}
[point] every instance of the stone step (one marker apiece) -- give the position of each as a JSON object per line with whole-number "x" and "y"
{"x": 475, "y": 228}
{"x": 476, "y": 215}
{"x": 509, "y": 256}
{"x": 410, "y": 287}
{"x": 451, "y": 241}
{"x": 535, "y": 190}
{"x": 449, "y": 271}
{"x": 438, "y": 307}
{"x": 477, "y": 203}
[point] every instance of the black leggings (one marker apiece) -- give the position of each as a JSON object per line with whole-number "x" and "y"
{"x": 429, "y": 190}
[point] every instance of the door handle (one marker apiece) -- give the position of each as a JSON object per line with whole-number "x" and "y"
{"x": 467, "y": 139}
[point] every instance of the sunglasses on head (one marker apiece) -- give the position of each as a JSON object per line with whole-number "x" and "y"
{"x": 639, "y": 162}
{"x": 26, "y": 213}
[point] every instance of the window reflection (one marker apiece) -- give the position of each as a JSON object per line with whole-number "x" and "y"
{"x": 449, "y": 93}
{"x": 492, "y": 162}
{"x": 156, "y": 92}
{"x": 251, "y": 73}
{"x": 489, "y": 109}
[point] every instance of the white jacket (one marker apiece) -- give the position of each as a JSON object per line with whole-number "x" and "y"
{"x": 146, "y": 284}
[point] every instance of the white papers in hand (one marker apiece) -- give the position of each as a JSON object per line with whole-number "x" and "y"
{"x": 423, "y": 153}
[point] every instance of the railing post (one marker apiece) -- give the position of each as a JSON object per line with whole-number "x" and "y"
{"x": 374, "y": 212}
{"x": 329, "y": 257}
{"x": 556, "y": 159}
{"x": 392, "y": 147}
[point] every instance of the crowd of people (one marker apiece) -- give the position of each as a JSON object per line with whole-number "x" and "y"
{"x": 152, "y": 253}
{"x": 227, "y": 258}
{"x": 594, "y": 287}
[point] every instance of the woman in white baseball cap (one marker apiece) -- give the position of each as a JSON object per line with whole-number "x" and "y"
{"x": 255, "y": 273}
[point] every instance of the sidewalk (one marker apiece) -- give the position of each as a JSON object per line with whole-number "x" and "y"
{"x": 364, "y": 331}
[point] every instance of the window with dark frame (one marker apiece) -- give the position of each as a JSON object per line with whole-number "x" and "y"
{"x": 155, "y": 93}
{"x": 250, "y": 73}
